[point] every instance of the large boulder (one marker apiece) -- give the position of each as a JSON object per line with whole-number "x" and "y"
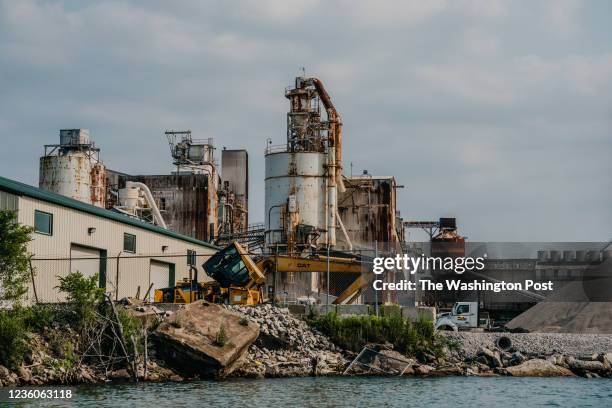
{"x": 204, "y": 340}
{"x": 538, "y": 368}
{"x": 582, "y": 367}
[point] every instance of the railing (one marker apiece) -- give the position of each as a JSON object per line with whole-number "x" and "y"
{"x": 275, "y": 149}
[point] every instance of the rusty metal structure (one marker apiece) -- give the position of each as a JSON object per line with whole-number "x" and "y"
{"x": 196, "y": 156}
{"x": 195, "y": 200}
{"x": 234, "y": 192}
{"x": 182, "y": 199}
{"x": 303, "y": 176}
{"x": 73, "y": 168}
{"x": 368, "y": 211}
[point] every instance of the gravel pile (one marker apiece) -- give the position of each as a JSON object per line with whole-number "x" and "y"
{"x": 287, "y": 346}
{"x": 537, "y": 343}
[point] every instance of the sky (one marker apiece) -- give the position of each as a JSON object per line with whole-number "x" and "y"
{"x": 496, "y": 113}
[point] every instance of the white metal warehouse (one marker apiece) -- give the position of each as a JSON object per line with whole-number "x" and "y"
{"x": 127, "y": 254}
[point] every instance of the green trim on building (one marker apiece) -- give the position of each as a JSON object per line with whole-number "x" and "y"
{"x": 21, "y": 189}
{"x": 102, "y": 275}
{"x": 172, "y": 275}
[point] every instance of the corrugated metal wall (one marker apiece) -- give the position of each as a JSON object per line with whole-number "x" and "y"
{"x": 8, "y": 201}
{"x": 52, "y": 253}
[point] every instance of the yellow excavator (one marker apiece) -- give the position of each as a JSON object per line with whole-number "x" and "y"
{"x": 238, "y": 279}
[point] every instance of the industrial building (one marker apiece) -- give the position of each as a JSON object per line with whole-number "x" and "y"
{"x": 312, "y": 207}
{"x": 194, "y": 200}
{"x": 131, "y": 257}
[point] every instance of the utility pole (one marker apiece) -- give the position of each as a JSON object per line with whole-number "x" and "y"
{"x": 375, "y": 291}
{"x": 327, "y": 297}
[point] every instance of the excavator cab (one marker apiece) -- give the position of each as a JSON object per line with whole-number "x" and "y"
{"x": 236, "y": 273}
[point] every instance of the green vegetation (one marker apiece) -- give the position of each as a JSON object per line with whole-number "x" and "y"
{"x": 176, "y": 322}
{"x": 243, "y": 321}
{"x": 84, "y": 297}
{"x": 102, "y": 332}
{"x": 14, "y": 278}
{"x": 13, "y": 338}
{"x": 14, "y": 257}
{"x": 354, "y": 332}
{"x": 39, "y": 317}
{"x": 221, "y": 337}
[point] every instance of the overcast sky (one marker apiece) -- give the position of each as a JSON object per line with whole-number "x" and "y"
{"x": 497, "y": 113}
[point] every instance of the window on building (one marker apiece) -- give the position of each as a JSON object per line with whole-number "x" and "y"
{"x": 129, "y": 242}
{"x": 162, "y": 203}
{"x": 191, "y": 257}
{"x": 43, "y": 222}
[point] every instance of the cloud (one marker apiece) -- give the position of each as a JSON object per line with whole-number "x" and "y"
{"x": 496, "y": 112}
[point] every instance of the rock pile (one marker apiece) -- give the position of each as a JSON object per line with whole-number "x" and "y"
{"x": 490, "y": 361}
{"x": 535, "y": 343}
{"x": 287, "y": 346}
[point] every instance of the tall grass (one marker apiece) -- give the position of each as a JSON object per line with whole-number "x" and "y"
{"x": 354, "y": 332}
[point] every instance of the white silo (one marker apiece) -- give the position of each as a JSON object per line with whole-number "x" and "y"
{"x": 73, "y": 168}
{"x": 303, "y": 176}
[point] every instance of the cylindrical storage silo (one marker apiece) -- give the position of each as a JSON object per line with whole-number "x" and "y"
{"x": 301, "y": 175}
{"x": 555, "y": 256}
{"x": 128, "y": 197}
{"x": 68, "y": 175}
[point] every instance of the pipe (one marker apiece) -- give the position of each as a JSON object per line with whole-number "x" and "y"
{"x": 117, "y": 276}
{"x": 149, "y": 197}
{"x": 334, "y": 132}
{"x": 348, "y": 240}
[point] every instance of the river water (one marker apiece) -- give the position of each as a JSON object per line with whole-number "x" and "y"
{"x": 445, "y": 392}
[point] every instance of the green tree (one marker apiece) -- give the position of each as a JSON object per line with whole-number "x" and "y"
{"x": 14, "y": 257}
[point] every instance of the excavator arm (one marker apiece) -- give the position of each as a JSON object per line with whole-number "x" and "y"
{"x": 234, "y": 267}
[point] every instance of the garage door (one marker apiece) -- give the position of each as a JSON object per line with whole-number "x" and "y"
{"x": 162, "y": 276}
{"x": 84, "y": 260}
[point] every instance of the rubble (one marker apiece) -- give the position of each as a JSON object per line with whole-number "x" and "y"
{"x": 287, "y": 346}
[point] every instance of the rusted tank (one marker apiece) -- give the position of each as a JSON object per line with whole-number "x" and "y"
{"x": 73, "y": 168}
{"x": 68, "y": 175}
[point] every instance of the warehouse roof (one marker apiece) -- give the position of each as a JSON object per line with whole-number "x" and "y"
{"x": 22, "y": 189}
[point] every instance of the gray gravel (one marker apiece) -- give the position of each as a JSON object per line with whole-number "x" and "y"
{"x": 538, "y": 343}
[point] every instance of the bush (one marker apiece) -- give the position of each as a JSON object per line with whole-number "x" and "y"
{"x": 14, "y": 257}
{"x": 221, "y": 337}
{"x": 131, "y": 327}
{"x": 84, "y": 296}
{"x": 13, "y": 338}
{"x": 37, "y": 317}
{"x": 354, "y": 332}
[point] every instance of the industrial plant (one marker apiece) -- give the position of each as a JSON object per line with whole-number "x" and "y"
{"x": 321, "y": 227}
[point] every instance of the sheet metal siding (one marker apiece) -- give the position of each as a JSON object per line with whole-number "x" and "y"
{"x": 367, "y": 209}
{"x": 235, "y": 169}
{"x": 8, "y": 201}
{"x": 71, "y": 227}
{"x": 26, "y": 190}
{"x": 185, "y": 200}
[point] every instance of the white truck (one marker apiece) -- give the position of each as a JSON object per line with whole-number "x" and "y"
{"x": 463, "y": 316}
